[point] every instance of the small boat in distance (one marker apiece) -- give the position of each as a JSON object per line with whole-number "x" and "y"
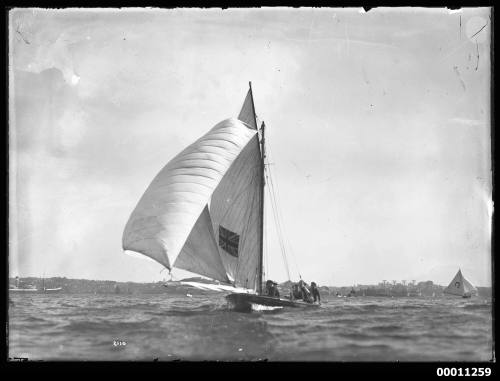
{"x": 460, "y": 286}
{"x": 26, "y": 289}
{"x": 30, "y": 288}
{"x": 204, "y": 212}
{"x": 34, "y": 290}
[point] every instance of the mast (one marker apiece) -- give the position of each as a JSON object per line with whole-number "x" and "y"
{"x": 261, "y": 259}
{"x": 261, "y": 222}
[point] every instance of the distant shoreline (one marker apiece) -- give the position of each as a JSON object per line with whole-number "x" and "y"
{"x": 70, "y": 285}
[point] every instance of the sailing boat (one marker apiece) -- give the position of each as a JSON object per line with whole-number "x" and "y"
{"x": 460, "y": 286}
{"x": 18, "y": 288}
{"x": 204, "y": 211}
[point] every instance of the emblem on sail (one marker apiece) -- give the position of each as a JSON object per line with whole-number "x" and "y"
{"x": 229, "y": 241}
{"x": 202, "y": 212}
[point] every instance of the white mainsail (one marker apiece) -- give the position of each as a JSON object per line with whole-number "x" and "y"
{"x": 235, "y": 209}
{"x": 460, "y": 286}
{"x": 235, "y": 212}
{"x": 171, "y": 223}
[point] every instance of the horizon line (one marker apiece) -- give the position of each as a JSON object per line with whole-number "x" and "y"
{"x": 180, "y": 280}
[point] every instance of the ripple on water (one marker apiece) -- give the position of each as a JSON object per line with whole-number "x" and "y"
{"x": 174, "y": 326}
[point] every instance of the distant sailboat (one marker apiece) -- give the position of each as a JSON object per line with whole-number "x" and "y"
{"x": 18, "y": 288}
{"x": 460, "y": 286}
{"x": 204, "y": 211}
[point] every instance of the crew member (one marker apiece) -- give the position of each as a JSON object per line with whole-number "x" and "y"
{"x": 315, "y": 292}
{"x": 306, "y": 294}
{"x": 272, "y": 289}
{"x": 295, "y": 293}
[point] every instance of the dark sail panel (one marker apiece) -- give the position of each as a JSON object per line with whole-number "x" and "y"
{"x": 247, "y": 113}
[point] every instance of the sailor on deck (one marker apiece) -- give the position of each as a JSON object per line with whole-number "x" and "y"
{"x": 295, "y": 292}
{"x": 306, "y": 294}
{"x": 315, "y": 292}
{"x": 272, "y": 289}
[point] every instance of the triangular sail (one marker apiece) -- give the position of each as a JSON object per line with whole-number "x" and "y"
{"x": 459, "y": 286}
{"x": 200, "y": 254}
{"x": 247, "y": 113}
{"x": 236, "y": 209}
{"x": 235, "y": 212}
{"x": 172, "y": 204}
{"x": 468, "y": 286}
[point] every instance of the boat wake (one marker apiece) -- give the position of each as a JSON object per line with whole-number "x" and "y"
{"x": 260, "y": 307}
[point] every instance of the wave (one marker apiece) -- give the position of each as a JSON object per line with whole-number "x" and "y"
{"x": 135, "y": 306}
{"x": 386, "y": 328}
{"x": 188, "y": 310}
{"x": 202, "y": 328}
{"x": 64, "y": 304}
{"x": 476, "y": 307}
{"x": 111, "y": 325}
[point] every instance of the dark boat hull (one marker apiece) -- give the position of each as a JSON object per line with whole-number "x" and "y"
{"x": 243, "y": 302}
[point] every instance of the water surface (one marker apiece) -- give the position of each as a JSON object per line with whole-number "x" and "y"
{"x": 201, "y": 327}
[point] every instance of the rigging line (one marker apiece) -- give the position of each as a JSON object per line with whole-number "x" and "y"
{"x": 282, "y": 244}
{"x": 265, "y": 274}
{"x": 278, "y": 227}
{"x": 288, "y": 241}
{"x": 276, "y": 204}
{"x": 280, "y": 216}
{"x": 277, "y": 211}
{"x": 283, "y": 254}
{"x": 285, "y": 239}
{"x": 277, "y": 221}
{"x": 274, "y": 215}
{"x": 266, "y": 226}
{"x": 266, "y": 265}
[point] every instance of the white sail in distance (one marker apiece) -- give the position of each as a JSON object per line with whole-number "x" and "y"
{"x": 167, "y": 223}
{"x": 460, "y": 286}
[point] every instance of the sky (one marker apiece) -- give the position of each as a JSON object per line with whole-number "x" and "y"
{"x": 378, "y": 134}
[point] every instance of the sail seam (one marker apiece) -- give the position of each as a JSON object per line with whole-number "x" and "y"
{"x": 221, "y": 153}
{"x": 207, "y": 159}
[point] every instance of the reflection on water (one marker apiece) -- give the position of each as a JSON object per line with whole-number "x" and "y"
{"x": 168, "y": 327}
